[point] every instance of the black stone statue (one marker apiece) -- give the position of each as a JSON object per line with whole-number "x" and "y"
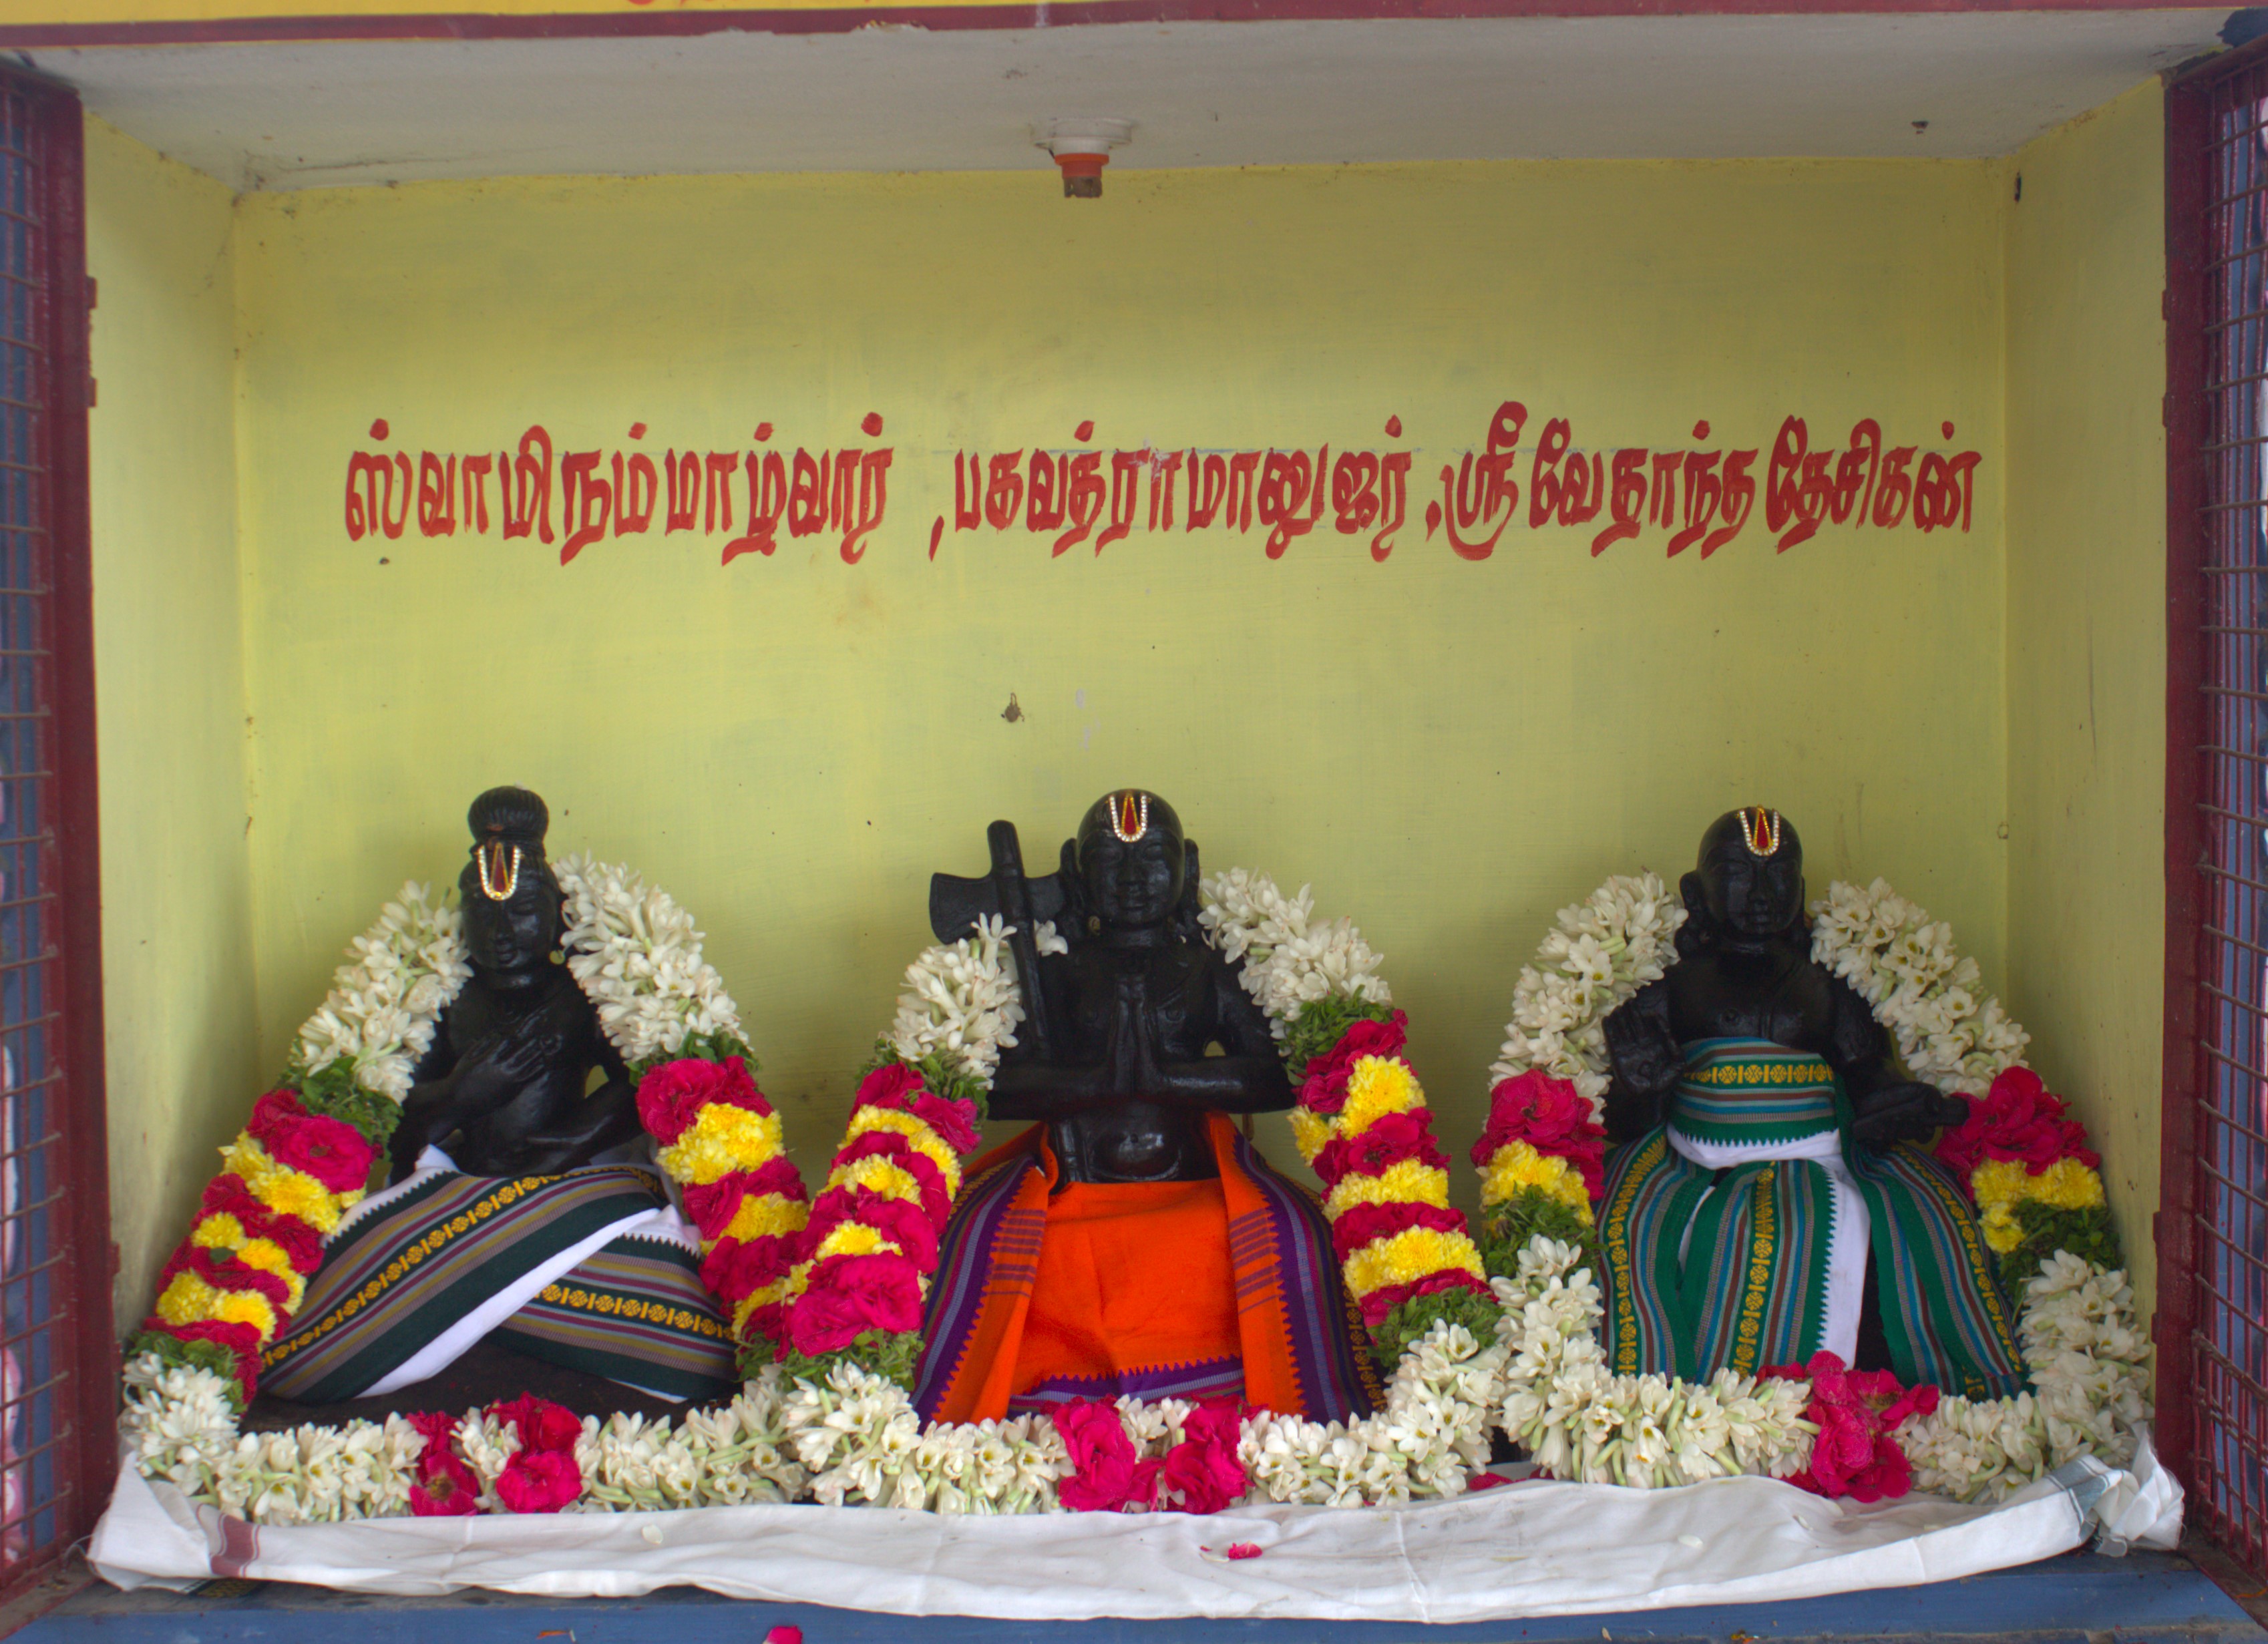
{"x": 1764, "y": 1145}
{"x": 1745, "y": 970}
{"x": 502, "y": 1089}
{"x": 1115, "y": 1059}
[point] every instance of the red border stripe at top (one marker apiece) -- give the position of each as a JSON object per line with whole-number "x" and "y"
{"x": 469, "y": 25}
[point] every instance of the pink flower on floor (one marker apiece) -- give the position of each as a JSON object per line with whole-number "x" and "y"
{"x": 539, "y": 1481}
{"x": 1104, "y": 1473}
{"x": 1242, "y": 1550}
{"x": 1202, "y": 1473}
{"x": 1858, "y": 1413}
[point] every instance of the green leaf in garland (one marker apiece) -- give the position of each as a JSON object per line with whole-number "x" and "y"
{"x": 891, "y": 1353}
{"x": 1508, "y": 1226}
{"x": 2087, "y": 1234}
{"x": 203, "y": 1355}
{"x": 701, "y": 1047}
{"x": 1409, "y": 1323}
{"x": 1321, "y": 1024}
{"x": 943, "y": 1080}
{"x": 332, "y": 1092}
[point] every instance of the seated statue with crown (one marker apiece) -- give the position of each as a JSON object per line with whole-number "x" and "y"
{"x": 525, "y": 1218}
{"x": 1131, "y": 1241}
{"x": 1765, "y": 1198}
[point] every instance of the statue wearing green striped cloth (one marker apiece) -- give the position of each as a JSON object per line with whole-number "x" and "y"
{"x": 1765, "y": 1198}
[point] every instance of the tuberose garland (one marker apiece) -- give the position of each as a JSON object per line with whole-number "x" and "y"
{"x": 2028, "y": 1167}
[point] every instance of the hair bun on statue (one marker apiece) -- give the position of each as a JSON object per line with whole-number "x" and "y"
{"x": 510, "y": 815}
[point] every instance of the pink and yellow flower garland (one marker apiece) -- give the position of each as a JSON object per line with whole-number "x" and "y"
{"x": 2034, "y": 1180}
{"x": 720, "y": 1141}
{"x": 234, "y": 1284}
{"x": 1543, "y": 1161}
{"x": 862, "y": 1265}
{"x": 1361, "y": 1121}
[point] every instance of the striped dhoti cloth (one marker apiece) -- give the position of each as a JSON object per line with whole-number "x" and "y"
{"x": 1737, "y": 1236}
{"x": 595, "y": 1271}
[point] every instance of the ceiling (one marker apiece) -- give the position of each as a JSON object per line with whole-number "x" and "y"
{"x": 901, "y": 98}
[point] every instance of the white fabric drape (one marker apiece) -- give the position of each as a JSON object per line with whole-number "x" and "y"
{"x": 1538, "y": 1548}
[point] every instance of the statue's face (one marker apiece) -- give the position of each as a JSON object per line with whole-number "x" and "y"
{"x": 1748, "y": 895}
{"x": 516, "y": 933}
{"x": 1133, "y": 886}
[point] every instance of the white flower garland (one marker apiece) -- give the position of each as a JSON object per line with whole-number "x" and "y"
{"x": 1286, "y": 959}
{"x": 2090, "y": 1362}
{"x": 636, "y": 955}
{"x": 1949, "y": 1030}
{"x": 1603, "y": 950}
{"x": 1578, "y": 1420}
{"x": 962, "y": 1002}
{"x": 385, "y": 1004}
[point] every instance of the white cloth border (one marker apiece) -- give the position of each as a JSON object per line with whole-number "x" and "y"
{"x": 1531, "y": 1549}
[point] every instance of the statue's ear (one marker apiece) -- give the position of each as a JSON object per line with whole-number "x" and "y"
{"x": 1072, "y": 926}
{"x": 1185, "y": 911}
{"x": 1694, "y": 933}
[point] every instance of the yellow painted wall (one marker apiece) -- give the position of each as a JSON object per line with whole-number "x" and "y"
{"x": 1449, "y": 751}
{"x": 2086, "y": 653}
{"x": 183, "y": 1052}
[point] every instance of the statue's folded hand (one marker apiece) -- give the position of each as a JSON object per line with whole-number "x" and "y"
{"x": 1904, "y": 1113}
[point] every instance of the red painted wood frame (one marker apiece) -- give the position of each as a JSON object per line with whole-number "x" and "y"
{"x": 58, "y": 1353}
{"x": 660, "y": 20}
{"x": 2211, "y": 1227}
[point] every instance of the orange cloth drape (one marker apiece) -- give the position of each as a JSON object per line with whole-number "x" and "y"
{"x": 1133, "y": 1276}
{"x": 1122, "y": 1271}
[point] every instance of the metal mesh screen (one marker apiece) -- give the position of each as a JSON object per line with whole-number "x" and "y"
{"x": 36, "y": 1329}
{"x": 2228, "y": 1323}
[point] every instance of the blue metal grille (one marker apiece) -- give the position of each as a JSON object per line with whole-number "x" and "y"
{"x": 34, "y": 1341}
{"x": 2229, "y": 1343}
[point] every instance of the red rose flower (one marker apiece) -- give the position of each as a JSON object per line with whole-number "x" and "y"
{"x": 2017, "y": 1118}
{"x": 903, "y": 1223}
{"x": 897, "y": 1086}
{"x": 445, "y": 1487}
{"x": 1549, "y": 1114}
{"x": 331, "y": 1151}
{"x": 541, "y": 1424}
{"x": 1103, "y": 1470}
{"x": 227, "y": 1195}
{"x": 671, "y": 1096}
{"x": 1202, "y": 1474}
{"x": 738, "y": 1268}
{"x": 1360, "y": 1224}
{"x": 437, "y": 1428}
{"x": 1323, "y": 1087}
{"x": 712, "y": 1207}
{"x": 1386, "y": 1143}
{"x": 539, "y": 1481}
{"x": 850, "y": 1294}
{"x": 1387, "y": 1297}
{"x": 1858, "y": 1413}
{"x": 936, "y": 1204}
{"x": 222, "y": 1272}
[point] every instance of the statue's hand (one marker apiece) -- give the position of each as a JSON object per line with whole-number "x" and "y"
{"x": 500, "y": 1064}
{"x": 1644, "y": 1059}
{"x": 1905, "y": 1112}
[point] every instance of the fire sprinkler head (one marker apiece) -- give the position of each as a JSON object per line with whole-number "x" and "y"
{"x": 1081, "y": 148}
